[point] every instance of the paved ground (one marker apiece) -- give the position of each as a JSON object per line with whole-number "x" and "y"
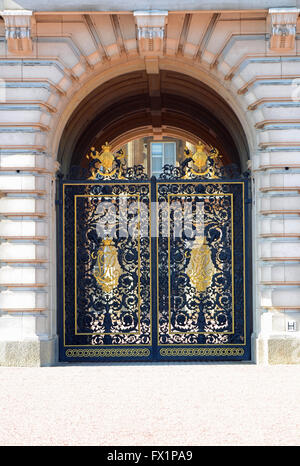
{"x": 171, "y": 404}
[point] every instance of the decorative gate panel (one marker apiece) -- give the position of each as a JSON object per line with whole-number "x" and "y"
{"x": 154, "y": 269}
{"x": 107, "y": 271}
{"x": 202, "y": 270}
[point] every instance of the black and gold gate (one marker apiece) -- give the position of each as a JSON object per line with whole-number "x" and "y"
{"x": 154, "y": 269}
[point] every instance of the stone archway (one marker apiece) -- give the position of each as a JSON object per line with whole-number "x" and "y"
{"x": 167, "y": 103}
{"x": 137, "y": 103}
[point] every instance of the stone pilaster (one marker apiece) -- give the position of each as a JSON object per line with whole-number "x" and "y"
{"x": 276, "y": 264}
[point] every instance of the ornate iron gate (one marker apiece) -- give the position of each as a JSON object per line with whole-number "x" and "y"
{"x": 154, "y": 269}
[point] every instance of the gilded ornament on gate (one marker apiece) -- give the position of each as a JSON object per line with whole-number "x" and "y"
{"x": 200, "y": 158}
{"x": 204, "y": 162}
{"x": 107, "y": 270}
{"x": 201, "y": 268}
{"x": 107, "y": 163}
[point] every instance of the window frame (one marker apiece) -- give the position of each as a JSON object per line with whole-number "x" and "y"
{"x": 163, "y": 154}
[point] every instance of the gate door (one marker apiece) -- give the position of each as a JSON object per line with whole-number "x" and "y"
{"x": 201, "y": 271}
{"x": 154, "y": 269}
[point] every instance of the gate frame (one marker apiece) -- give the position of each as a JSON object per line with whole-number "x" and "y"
{"x": 155, "y": 347}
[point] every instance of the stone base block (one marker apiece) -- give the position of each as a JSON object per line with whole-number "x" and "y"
{"x": 277, "y": 350}
{"x": 29, "y": 353}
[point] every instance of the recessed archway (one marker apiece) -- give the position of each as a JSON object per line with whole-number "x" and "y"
{"x": 138, "y": 104}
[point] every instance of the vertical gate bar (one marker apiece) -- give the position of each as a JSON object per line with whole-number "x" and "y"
{"x": 60, "y": 268}
{"x": 248, "y": 261}
{"x": 153, "y": 238}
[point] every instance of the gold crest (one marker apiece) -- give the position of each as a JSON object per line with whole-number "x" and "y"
{"x": 106, "y": 158}
{"x": 204, "y": 162}
{"x": 201, "y": 268}
{"x": 107, "y": 270}
{"x": 108, "y": 163}
{"x": 200, "y": 158}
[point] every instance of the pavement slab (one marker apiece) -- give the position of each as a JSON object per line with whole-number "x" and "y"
{"x": 178, "y": 404}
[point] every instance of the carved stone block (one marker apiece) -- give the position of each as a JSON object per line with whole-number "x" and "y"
{"x": 18, "y": 31}
{"x": 150, "y": 31}
{"x": 283, "y": 24}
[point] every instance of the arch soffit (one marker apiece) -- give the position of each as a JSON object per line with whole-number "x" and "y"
{"x": 196, "y": 71}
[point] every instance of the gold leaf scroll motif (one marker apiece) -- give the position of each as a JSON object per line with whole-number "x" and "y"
{"x": 107, "y": 270}
{"x": 200, "y": 269}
